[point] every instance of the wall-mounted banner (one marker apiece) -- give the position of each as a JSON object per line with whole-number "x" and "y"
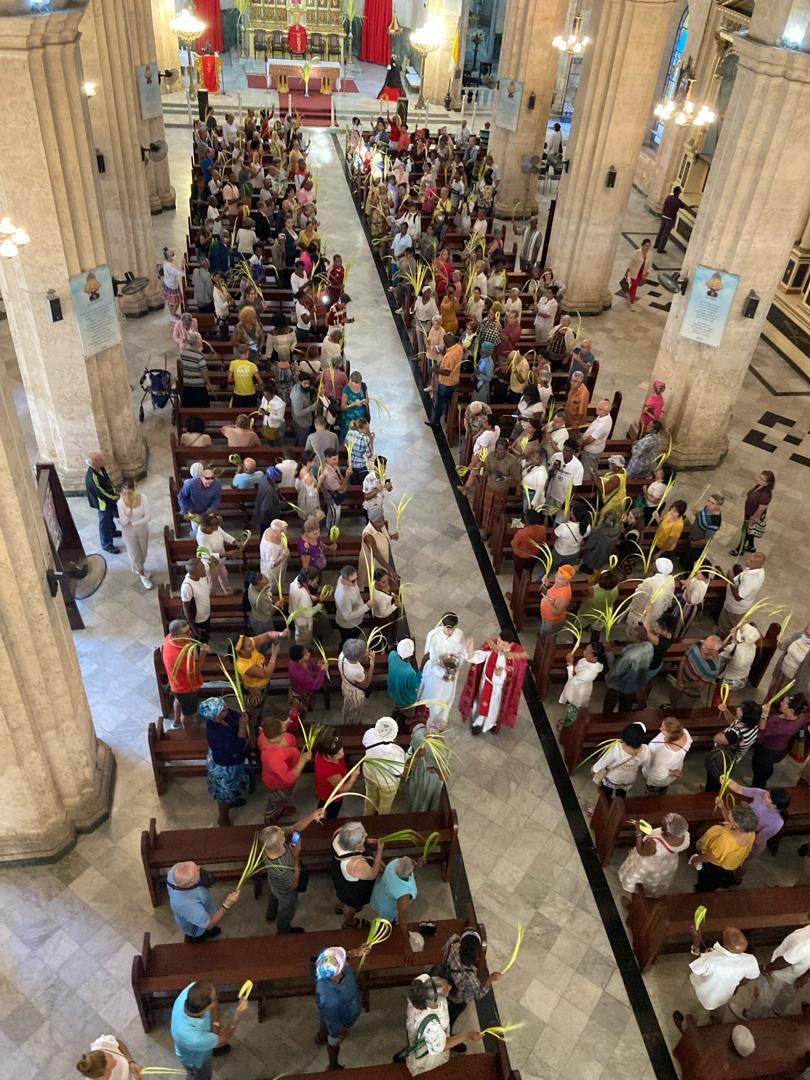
{"x": 96, "y": 309}
{"x": 709, "y": 305}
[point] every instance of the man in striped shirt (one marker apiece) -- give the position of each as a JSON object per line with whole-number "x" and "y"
{"x": 707, "y": 522}
{"x": 699, "y": 669}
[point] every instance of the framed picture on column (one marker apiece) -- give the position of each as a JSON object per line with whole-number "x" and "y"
{"x": 96, "y": 310}
{"x": 510, "y": 97}
{"x": 149, "y": 90}
{"x": 709, "y": 305}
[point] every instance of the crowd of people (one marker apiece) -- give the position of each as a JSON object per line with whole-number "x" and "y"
{"x": 588, "y": 518}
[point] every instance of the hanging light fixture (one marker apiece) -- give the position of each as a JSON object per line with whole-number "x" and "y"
{"x": 574, "y": 45}
{"x": 12, "y": 238}
{"x": 394, "y": 27}
{"x": 680, "y": 108}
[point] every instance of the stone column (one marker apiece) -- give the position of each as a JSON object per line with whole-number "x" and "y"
{"x": 439, "y": 68}
{"x": 754, "y": 205}
{"x": 703, "y": 18}
{"x": 530, "y": 58}
{"x": 168, "y": 50}
{"x": 612, "y": 113}
{"x": 57, "y": 776}
{"x": 144, "y": 51}
{"x": 78, "y": 404}
{"x": 115, "y": 113}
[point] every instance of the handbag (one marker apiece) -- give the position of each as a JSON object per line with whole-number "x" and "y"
{"x": 303, "y": 879}
{"x": 756, "y": 526}
{"x": 714, "y": 764}
{"x": 624, "y": 284}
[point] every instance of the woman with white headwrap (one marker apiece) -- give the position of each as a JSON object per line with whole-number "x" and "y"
{"x": 654, "y": 593}
{"x": 424, "y": 783}
{"x": 613, "y": 487}
{"x": 737, "y": 654}
{"x": 653, "y": 861}
{"x": 445, "y": 651}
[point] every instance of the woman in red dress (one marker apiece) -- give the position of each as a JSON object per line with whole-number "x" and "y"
{"x": 442, "y": 271}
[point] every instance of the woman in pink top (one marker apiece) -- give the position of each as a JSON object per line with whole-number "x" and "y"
{"x": 653, "y": 406}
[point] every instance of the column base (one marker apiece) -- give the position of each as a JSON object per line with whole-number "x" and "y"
{"x": 136, "y": 304}
{"x": 133, "y": 468}
{"x": 694, "y": 457}
{"x": 59, "y": 837}
{"x": 587, "y": 306}
{"x": 521, "y": 211}
{"x": 160, "y": 201}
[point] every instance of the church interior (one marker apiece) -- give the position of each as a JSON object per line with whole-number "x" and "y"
{"x": 401, "y": 422}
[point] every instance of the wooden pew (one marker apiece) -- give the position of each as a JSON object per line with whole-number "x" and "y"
{"x": 549, "y": 656}
{"x": 227, "y": 616}
{"x": 610, "y": 818}
{"x": 280, "y": 965}
{"x": 664, "y": 925}
{"x": 225, "y": 851}
{"x": 183, "y": 457}
{"x": 707, "y": 1053}
{"x": 180, "y": 550}
{"x": 581, "y": 738}
{"x": 177, "y": 753}
{"x": 215, "y": 683}
{"x": 489, "y": 1066}
{"x": 503, "y": 533}
{"x": 464, "y": 395}
{"x": 526, "y": 595}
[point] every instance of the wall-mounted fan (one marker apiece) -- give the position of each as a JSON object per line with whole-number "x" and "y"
{"x": 81, "y": 579}
{"x": 155, "y": 151}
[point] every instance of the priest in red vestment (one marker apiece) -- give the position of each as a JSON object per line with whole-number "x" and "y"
{"x": 494, "y": 684}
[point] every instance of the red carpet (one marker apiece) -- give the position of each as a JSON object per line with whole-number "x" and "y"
{"x": 259, "y": 82}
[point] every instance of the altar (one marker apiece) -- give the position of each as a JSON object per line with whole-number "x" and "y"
{"x": 328, "y": 71}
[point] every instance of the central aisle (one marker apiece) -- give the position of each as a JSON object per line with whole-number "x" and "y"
{"x": 518, "y": 850}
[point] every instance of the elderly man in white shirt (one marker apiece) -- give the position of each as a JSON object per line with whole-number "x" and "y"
{"x": 595, "y": 438}
{"x": 742, "y": 593}
{"x": 787, "y": 972}
{"x": 718, "y": 973}
{"x": 655, "y": 593}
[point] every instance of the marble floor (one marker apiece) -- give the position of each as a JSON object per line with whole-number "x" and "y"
{"x": 68, "y": 932}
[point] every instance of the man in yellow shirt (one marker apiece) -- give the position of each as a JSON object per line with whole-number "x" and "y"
{"x": 244, "y": 376}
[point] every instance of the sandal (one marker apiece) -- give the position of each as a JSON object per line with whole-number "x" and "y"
{"x": 360, "y": 924}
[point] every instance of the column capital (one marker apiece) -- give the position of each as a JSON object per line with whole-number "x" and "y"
{"x": 22, "y": 28}
{"x": 772, "y": 60}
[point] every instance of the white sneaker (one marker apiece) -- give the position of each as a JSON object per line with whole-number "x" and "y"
{"x": 147, "y": 582}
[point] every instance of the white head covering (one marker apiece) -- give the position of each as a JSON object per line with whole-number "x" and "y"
{"x": 406, "y": 648}
{"x": 387, "y": 728}
{"x": 197, "y": 469}
{"x": 278, "y": 523}
{"x": 664, "y": 566}
{"x": 748, "y": 634}
{"x": 617, "y": 460}
{"x": 743, "y": 1040}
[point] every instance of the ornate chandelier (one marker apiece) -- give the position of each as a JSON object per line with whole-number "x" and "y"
{"x": 574, "y": 45}
{"x": 680, "y": 108}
